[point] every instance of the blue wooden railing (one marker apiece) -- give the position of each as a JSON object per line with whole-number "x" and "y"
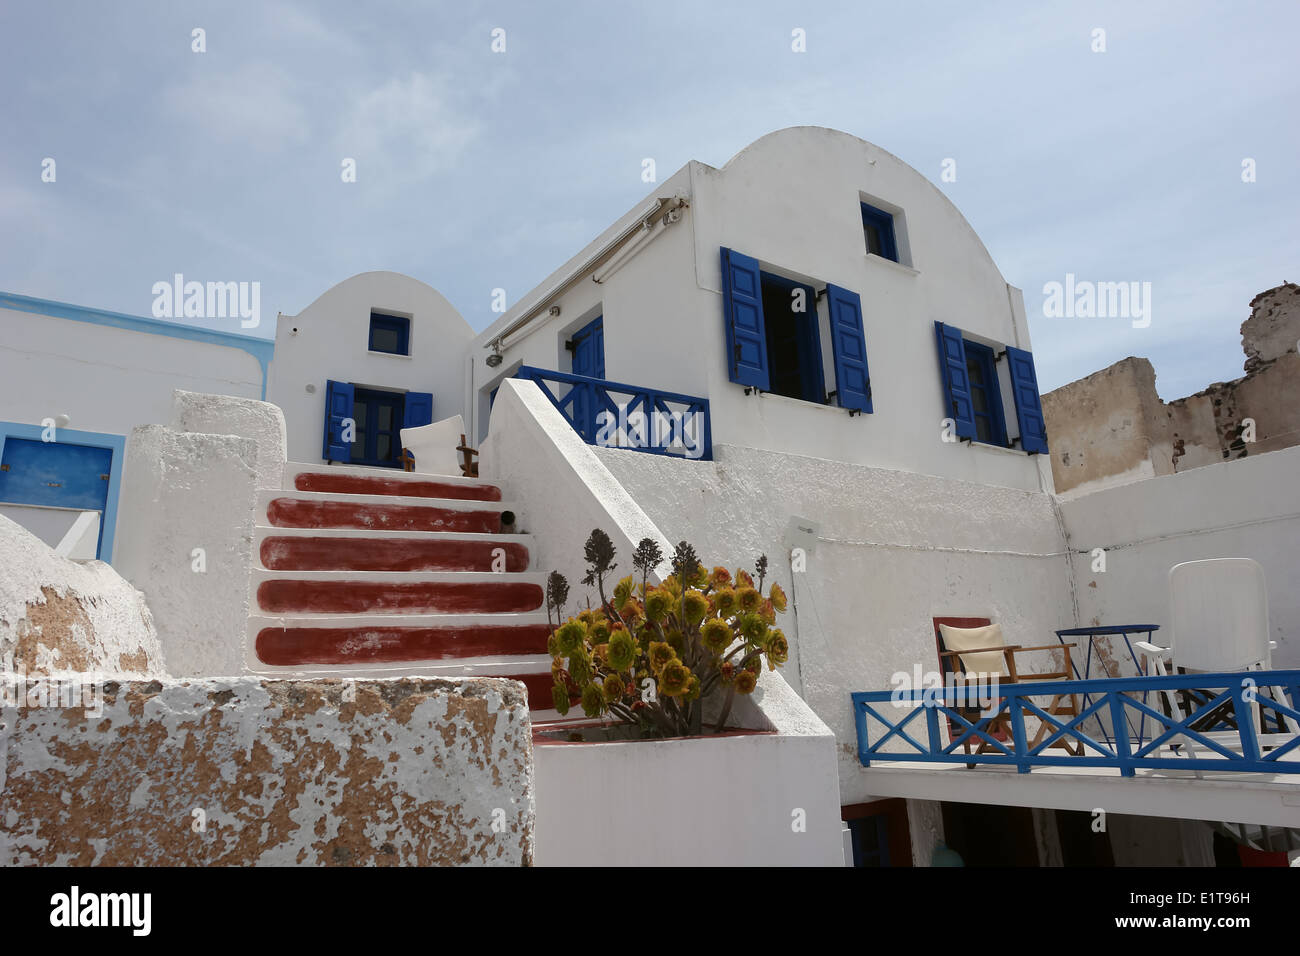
{"x": 1102, "y": 727}
{"x": 628, "y": 416}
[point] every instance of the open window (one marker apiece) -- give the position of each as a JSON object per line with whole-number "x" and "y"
{"x": 775, "y": 327}
{"x": 389, "y": 333}
{"x": 978, "y": 377}
{"x": 878, "y": 230}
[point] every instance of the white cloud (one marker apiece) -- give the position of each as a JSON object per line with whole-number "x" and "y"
{"x": 406, "y": 130}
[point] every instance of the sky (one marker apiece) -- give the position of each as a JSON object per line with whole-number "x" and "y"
{"x": 478, "y": 169}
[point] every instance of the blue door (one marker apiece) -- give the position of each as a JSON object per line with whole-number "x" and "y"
{"x": 589, "y": 360}
{"x": 378, "y": 416}
{"x": 57, "y": 475}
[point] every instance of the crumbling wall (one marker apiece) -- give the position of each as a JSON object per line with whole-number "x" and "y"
{"x": 59, "y": 616}
{"x": 246, "y": 771}
{"x": 1111, "y": 427}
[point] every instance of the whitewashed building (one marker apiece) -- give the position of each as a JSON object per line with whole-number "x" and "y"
{"x": 807, "y": 353}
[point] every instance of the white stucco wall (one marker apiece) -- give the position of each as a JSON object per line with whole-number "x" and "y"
{"x": 791, "y": 200}
{"x": 108, "y": 379}
{"x": 1246, "y": 508}
{"x": 184, "y": 492}
{"x": 896, "y": 550}
{"x": 331, "y": 341}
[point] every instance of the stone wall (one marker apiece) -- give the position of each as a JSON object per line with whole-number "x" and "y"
{"x": 245, "y": 771}
{"x": 1111, "y": 427}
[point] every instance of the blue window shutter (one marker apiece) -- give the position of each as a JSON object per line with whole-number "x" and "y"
{"x": 742, "y": 305}
{"x": 849, "y": 346}
{"x": 1029, "y": 410}
{"x": 956, "y": 380}
{"x": 418, "y": 411}
{"x": 338, "y": 406}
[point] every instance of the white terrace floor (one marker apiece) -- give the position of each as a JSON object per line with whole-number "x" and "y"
{"x": 1262, "y": 798}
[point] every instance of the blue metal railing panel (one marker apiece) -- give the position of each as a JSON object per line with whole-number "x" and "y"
{"x": 1111, "y": 703}
{"x": 642, "y": 421}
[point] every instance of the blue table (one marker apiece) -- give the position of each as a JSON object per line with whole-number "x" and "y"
{"x": 1109, "y": 630}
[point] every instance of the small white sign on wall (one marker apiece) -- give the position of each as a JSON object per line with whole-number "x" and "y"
{"x": 801, "y": 533}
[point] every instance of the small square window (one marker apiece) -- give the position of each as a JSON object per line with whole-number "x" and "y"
{"x": 878, "y": 227}
{"x": 390, "y": 333}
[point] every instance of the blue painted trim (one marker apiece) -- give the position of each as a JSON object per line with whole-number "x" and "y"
{"x": 261, "y": 349}
{"x": 992, "y": 389}
{"x": 116, "y": 443}
{"x": 1113, "y": 698}
{"x": 883, "y": 223}
{"x": 587, "y": 393}
{"x": 390, "y": 323}
{"x": 812, "y": 371}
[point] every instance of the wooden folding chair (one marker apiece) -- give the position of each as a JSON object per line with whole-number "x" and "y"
{"x": 1000, "y": 658}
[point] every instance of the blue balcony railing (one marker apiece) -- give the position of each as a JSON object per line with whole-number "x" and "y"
{"x": 1219, "y": 730}
{"x": 628, "y": 416}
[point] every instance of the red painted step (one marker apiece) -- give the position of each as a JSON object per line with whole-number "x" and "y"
{"x": 295, "y": 646}
{"x": 417, "y": 597}
{"x": 345, "y": 484}
{"x": 281, "y": 553}
{"x": 296, "y": 513}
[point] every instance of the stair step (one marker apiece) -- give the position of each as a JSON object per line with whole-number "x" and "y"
{"x": 319, "y": 552}
{"x": 426, "y": 486}
{"x": 482, "y": 648}
{"x": 304, "y": 509}
{"x": 382, "y": 592}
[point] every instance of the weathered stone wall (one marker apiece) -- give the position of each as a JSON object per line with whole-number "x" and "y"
{"x": 1111, "y": 427}
{"x": 59, "y": 616}
{"x": 376, "y": 772}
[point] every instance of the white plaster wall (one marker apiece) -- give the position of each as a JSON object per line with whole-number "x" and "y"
{"x": 772, "y": 799}
{"x": 1246, "y": 508}
{"x": 332, "y": 341}
{"x": 791, "y": 200}
{"x": 897, "y": 550}
{"x": 563, "y": 488}
{"x": 183, "y": 492}
{"x": 108, "y": 379}
{"x": 224, "y": 415}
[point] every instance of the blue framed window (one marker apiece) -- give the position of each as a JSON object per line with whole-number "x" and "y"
{"x": 972, "y": 392}
{"x": 794, "y": 347}
{"x": 390, "y": 333}
{"x": 878, "y": 228}
{"x": 985, "y": 394}
{"x": 378, "y": 416}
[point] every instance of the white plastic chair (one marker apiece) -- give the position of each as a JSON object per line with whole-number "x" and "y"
{"x": 1218, "y": 616}
{"x": 435, "y": 446}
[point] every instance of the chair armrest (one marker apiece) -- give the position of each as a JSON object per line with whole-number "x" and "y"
{"x": 1042, "y": 647}
{"x": 1152, "y": 649}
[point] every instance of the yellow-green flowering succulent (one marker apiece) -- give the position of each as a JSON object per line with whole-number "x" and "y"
{"x": 652, "y": 654}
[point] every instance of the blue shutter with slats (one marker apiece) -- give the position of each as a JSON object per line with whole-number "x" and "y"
{"x": 418, "y": 410}
{"x": 849, "y": 346}
{"x": 1029, "y": 409}
{"x": 338, "y": 407}
{"x": 956, "y": 380}
{"x": 742, "y": 305}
